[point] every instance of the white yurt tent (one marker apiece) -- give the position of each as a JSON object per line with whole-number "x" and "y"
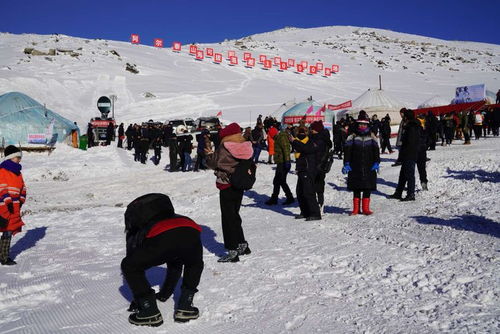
{"x": 435, "y": 101}
{"x": 375, "y": 101}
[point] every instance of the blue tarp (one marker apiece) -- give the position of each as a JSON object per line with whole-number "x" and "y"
{"x": 21, "y": 117}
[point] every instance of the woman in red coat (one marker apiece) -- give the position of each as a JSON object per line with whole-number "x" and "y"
{"x": 12, "y": 197}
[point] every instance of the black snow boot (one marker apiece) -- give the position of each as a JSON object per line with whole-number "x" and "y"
{"x": 232, "y": 256}
{"x": 409, "y": 197}
{"x": 272, "y": 201}
{"x": 289, "y": 200}
{"x": 396, "y": 195}
{"x": 243, "y": 249}
{"x": 148, "y": 313}
{"x": 185, "y": 310}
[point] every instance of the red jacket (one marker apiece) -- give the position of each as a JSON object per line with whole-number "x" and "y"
{"x": 13, "y": 195}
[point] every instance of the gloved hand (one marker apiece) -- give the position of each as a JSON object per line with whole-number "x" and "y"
{"x": 376, "y": 167}
{"x": 287, "y": 165}
{"x": 347, "y": 168}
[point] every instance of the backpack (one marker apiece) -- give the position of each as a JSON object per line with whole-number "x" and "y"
{"x": 244, "y": 177}
{"x": 142, "y": 213}
{"x": 326, "y": 162}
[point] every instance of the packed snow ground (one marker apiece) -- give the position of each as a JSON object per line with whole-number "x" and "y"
{"x": 420, "y": 267}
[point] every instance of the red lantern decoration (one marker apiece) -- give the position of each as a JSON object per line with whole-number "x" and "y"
{"x": 319, "y": 66}
{"x": 313, "y": 70}
{"x": 300, "y": 68}
{"x": 328, "y": 71}
{"x": 283, "y": 66}
{"x": 268, "y": 64}
{"x": 262, "y": 59}
{"x": 291, "y": 62}
{"x": 304, "y": 64}
{"x": 246, "y": 55}
{"x": 199, "y": 55}
{"x": 209, "y": 52}
{"x": 231, "y": 54}
{"x": 233, "y": 60}
{"x": 335, "y": 68}
{"x": 158, "y": 43}
{"x": 250, "y": 62}
{"x": 277, "y": 61}
{"x": 218, "y": 58}
{"x": 192, "y": 49}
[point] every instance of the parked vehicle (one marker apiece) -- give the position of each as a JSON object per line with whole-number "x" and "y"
{"x": 209, "y": 123}
{"x": 179, "y": 125}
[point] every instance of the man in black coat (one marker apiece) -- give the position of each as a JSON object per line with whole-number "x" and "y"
{"x": 410, "y": 144}
{"x": 385, "y": 135}
{"x": 307, "y": 169}
{"x": 432, "y": 130}
{"x": 321, "y": 139}
{"x": 156, "y": 235}
{"x": 173, "y": 151}
{"x": 110, "y": 133}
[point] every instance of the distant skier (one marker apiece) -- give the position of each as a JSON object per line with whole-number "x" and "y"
{"x": 12, "y": 197}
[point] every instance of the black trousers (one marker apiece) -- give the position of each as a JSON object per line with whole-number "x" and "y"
{"x": 477, "y": 131}
{"x": 407, "y": 176}
{"x": 306, "y": 196}
{"x": 421, "y": 166}
{"x": 279, "y": 181}
{"x": 230, "y": 203}
{"x": 319, "y": 187}
{"x": 179, "y": 247}
{"x": 385, "y": 144}
{"x": 357, "y": 193}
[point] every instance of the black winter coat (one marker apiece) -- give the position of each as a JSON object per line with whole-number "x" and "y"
{"x": 306, "y": 162}
{"x": 361, "y": 152}
{"x": 410, "y": 141}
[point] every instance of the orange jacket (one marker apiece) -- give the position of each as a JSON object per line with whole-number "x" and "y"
{"x": 13, "y": 195}
{"x": 270, "y": 140}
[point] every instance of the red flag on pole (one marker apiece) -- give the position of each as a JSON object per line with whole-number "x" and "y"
{"x": 219, "y": 114}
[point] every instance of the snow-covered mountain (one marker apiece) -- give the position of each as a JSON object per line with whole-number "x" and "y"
{"x": 168, "y": 84}
{"x": 429, "y": 266}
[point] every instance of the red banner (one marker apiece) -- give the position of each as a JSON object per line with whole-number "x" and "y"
{"x": 313, "y": 70}
{"x": 319, "y": 66}
{"x": 158, "y": 43}
{"x": 231, "y": 54}
{"x": 134, "y": 39}
{"x": 199, "y": 55}
{"x": 283, "y": 66}
{"x": 246, "y": 55}
{"x": 193, "y": 49}
{"x": 344, "y": 105}
{"x": 277, "y": 61}
{"x": 262, "y": 58}
{"x": 268, "y": 64}
{"x": 251, "y": 62}
{"x": 218, "y": 58}
{"x": 291, "y": 62}
{"x": 304, "y": 64}
{"x": 233, "y": 60}
{"x": 209, "y": 52}
{"x": 300, "y": 68}
{"x": 335, "y": 68}
{"x": 328, "y": 71}
{"x": 176, "y": 46}
{"x": 308, "y": 119}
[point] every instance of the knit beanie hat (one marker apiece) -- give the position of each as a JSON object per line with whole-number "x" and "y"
{"x": 229, "y": 130}
{"x": 363, "y": 118}
{"x": 11, "y": 152}
{"x": 317, "y": 126}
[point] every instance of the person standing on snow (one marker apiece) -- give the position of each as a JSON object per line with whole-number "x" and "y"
{"x": 361, "y": 164}
{"x": 322, "y": 143}
{"x": 409, "y": 154}
{"x": 223, "y": 161}
{"x": 121, "y": 135}
{"x": 270, "y": 142}
{"x": 282, "y": 150}
{"x": 12, "y": 197}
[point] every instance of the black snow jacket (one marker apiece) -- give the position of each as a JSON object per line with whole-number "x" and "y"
{"x": 361, "y": 151}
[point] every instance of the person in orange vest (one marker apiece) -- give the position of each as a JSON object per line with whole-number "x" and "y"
{"x": 270, "y": 143}
{"x": 12, "y": 197}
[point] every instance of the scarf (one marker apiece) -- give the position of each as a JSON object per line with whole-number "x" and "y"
{"x": 11, "y": 166}
{"x": 304, "y": 141}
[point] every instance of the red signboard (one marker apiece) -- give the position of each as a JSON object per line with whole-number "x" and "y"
{"x": 158, "y": 42}
{"x": 134, "y": 39}
{"x": 283, "y": 66}
{"x": 313, "y": 70}
{"x": 246, "y": 55}
{"x": 218, "y": 58}
{"x": 250, "y": 62}
{"x": 344, "y": 105}
{"x": 192, "y": 49}
{"x": 335, "y": 68}
{"x": 176, "y": 46}
{"x": 209, "y": 52}
{"x": 277, "y": 61}
{"x": 262, "y": 58}
{"x": 231, "y": 54}
{"x": 328, "y": 72}
{"x": 233, "y": 60}
{"x": 304, "y": 64}
{"x": 291, "y": 62}
{"x": 199, "y": 55}
{"x": 319, "y": 66}
{"x": 300, "y": 68}
{"x": 443, "y": 110}
{"x": 268, "y": 63}
{"x": 308, "y": 119}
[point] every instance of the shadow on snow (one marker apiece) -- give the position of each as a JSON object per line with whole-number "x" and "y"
{"x": 28, "y": 240}
{"x": 478, "y": 224}
{"x": 480, "y": 175}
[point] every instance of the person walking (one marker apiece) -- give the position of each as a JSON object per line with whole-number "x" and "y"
{"x": 282, "y": 150}
{"x": 223, "y": 161}
{"x": 121, "y": 135}
{"x": 361, "y": 164}
{"x": 385, "y": 136}
{"x": 12, "y": 198}
{"x": 478, "y": 124}
{"x": 270, "y": 143}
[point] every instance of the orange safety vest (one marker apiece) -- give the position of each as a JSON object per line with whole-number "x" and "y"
{"x": 12, "y": 193}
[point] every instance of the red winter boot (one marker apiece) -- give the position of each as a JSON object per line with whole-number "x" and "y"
{"x": 355, "y": 203}
{"x": 366, "y": 207}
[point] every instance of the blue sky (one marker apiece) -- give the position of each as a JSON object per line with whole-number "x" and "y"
{"x": 214, "y": 20}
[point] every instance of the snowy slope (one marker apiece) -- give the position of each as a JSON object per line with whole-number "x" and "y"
{"x": 413, "y": 68}
{"x": 424, "y": 267}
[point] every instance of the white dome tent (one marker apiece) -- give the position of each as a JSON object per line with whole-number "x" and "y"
{"x": 375, "y": 101}
{"x": 435, "y": 101}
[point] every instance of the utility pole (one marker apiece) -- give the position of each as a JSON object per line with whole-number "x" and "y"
{"x": 113, "y": 99}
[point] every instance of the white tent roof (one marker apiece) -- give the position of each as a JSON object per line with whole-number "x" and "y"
{"x": 434, "y": 101}
{"x": 375, "y": 101}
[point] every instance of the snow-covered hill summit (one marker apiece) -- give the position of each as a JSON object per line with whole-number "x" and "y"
{"x": 68, "y": 74}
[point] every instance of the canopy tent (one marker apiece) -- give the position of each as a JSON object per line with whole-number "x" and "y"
{"x": 310, "y": 111}
{"x": 375, "y": 101}
{"x": 434, "y": 101}
{"x": 25, "y": 121}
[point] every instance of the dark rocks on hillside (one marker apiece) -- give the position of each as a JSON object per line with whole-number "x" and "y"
{"x": 132, "y": 68}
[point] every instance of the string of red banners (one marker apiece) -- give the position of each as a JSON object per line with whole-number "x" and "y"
{"x": 249, "y": 61}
